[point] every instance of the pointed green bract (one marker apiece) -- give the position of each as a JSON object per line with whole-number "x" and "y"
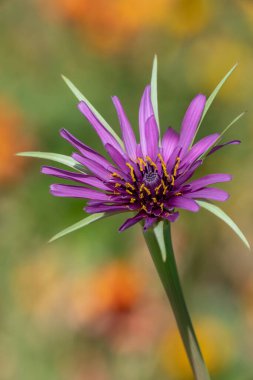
{"x": 61, "y": 158}
{"x": 213, "y": 96}
{"x": 81, "y": 97}
{"x": 84, "y": 222}
{"x": 232, "y": 123}
{"x": 158, "y": 230}
{"x": 154, "y": 98}
{"x": 223, "y": 216}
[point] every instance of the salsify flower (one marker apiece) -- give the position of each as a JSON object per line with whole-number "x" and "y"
{"x": 153, "y": 179}
{"x": 150, "y": 178}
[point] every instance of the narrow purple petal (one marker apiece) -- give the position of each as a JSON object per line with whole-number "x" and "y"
{"x": 98, "y": 170}
{"x": 200, "y": 148}
{"x": 117, "y": 157}
{"x": 188, "y": 173}
{"x": 184, "y": 203}
{"x": 169, "y": 142}
{"x": 83, "y": 178}
{"x": 171, "y": 217}
{"x": 152, "y": 137}
{"x": 131, "y": 221}
{"x": 191, "y": 121}
{"x": 60, "y": 190}
{"x": 145, "y": 111}
{"x": 127, "y": 131}
{"x": 105, "y": 208}
{"x": 209, "y": 180}
{"x": 217, "y": 147}
{"x": 84, "y": 149}
{"x": 139, "y": 151}
{"x": 102, "y": 132}
{"x": 149, "y": 222}
{"x": 209, "y": 193}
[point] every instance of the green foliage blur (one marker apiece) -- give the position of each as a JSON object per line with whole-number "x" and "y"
{"x": 90, "y": 306}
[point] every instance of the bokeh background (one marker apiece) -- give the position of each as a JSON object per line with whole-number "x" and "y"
{"x": 90, "y": 306}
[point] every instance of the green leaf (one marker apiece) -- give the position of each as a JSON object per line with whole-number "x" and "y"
{"x": 154, "y": 99}
{"x": 213, "y": 96}
{"x": 158, "y": 230}
{"x": 230, "y": 125}
{"x": 84, "y": 222}
{"x": 61, "y": 158}
{"x": 223, "y": 216}
{"x": 81, "y": 97}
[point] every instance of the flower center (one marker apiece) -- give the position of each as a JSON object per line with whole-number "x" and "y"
{"x": 151, "y": 178}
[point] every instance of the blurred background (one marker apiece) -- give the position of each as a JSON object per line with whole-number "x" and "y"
{"x": 90, "y": 306}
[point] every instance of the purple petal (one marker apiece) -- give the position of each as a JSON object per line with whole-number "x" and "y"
{"x": 117, "y": 157}
{"x": 145, "y": 111}
{"x": 102, "y": 132}
{"x": 171, "y": 217}
{"x": 200, "y": 148}
{"x": 149, "y": 222}
{"x": 209, "y": 193}
{"x": 127, "y": 131}
{"x": 184, "y": 203}
{"x": 77, "y": 192}
{"x": 169, "y": 142}
{"x": 83, "y": 178}
{"x": 97, "y": 169}
{"x": 188, "y": 173}
{"x": 191, "y": 121}
{"x": 84, "y": 149}
{"x": 209, "y": 180}
{"x": 131, "y": 221}
{"x": 105, "y": 208}
{"x": 217, "y": 147}
{"x": 152, "y": 137}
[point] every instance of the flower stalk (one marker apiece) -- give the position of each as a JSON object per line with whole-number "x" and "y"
{"x": 168, "y": 273}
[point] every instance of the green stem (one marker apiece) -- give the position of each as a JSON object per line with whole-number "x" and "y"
{"x": 167, "y": 270}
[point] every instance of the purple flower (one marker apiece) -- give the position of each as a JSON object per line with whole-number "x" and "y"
{"x": 149, "y": 178}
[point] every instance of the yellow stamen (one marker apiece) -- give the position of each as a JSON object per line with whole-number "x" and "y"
{"x": 117, "y": 184}
{"x": 147, "y": 190}
{"x": 142, "y": 164}
{"x": 178, "y": 193}
{"x": 172, "y": 180}
{"x": 164, "y": 187}
{"x": 132, "y": 200}
{"x": 154, "y": 199}
{"x": 151, "y": 162}
{"x": 116, "y": 175}
{"x": 131, "y": 171}
{"x": 163, "y": 166}
{"x": 129, "y": 192}
{"x": 127, "y": 184}
{"x": 176, "y": 166}
{"x": 141, "y": 196}
{"x": 144, "y": 208}
{"x": 158, "y": 188}
{"x": 142, "y": 187}
{"x": 162, "y": 206}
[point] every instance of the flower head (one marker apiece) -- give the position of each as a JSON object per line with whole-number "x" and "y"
{"x": 150, "y": 178}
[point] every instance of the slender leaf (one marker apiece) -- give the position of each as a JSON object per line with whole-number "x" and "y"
{"x": 81, "y": 97}
{"x": 158, "y": 230}
{"x": 213, "y": 96}
{"x": 154, "y": 98}
{"x": 205, "y": 154}
{"x": 223, "y": 216}
{"x": 230, "y": 125}
{"x": 84, "y": 222}
{"x": 61, "y": 158}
